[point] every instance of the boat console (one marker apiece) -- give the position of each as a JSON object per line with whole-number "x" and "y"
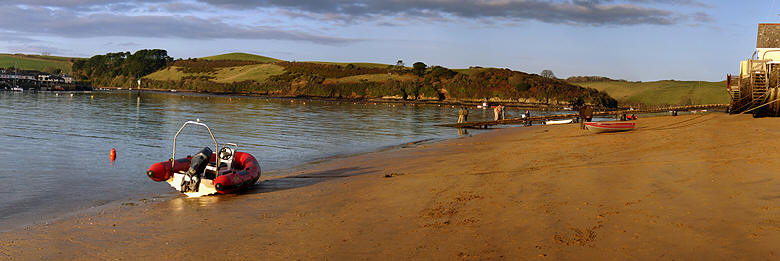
{"x": 226, "y": 155}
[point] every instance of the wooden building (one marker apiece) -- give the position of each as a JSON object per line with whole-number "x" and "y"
{"x": 755, "y": 88}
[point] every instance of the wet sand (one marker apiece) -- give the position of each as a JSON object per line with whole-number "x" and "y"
{"x": 688, "y": 187}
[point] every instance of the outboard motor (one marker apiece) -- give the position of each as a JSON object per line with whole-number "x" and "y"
{"x": 198, "y": 163}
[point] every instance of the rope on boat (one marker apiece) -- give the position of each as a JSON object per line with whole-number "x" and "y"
{"x": 762, "y": 105}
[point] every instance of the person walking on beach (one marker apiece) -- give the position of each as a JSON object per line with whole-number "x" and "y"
{"x": 527, "y": 114}
{"x": 463, "y": 114}
{"x": 586, "y": 114}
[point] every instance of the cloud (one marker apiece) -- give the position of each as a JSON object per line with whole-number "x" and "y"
{"x": 69, "y": 23}
{"x": 583, "y": 12}
{"x": 702, "y": 18}
{"x": 77, "y": 3}
{"x": 32, "y": 48}
{"x": 11, "y": 37}
{"x": 673, "y": 2}
{"x": 122, "y": 44}
{"x": 269, "y": 19}
{"x": 178, "y": 7}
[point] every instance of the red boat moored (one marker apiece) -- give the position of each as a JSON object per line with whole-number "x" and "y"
{"x": 612, "y": 126}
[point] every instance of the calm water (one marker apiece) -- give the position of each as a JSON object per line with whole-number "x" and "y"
{"x": 55, "y": 147}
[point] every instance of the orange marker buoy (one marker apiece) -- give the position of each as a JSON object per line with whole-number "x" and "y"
{"x": 112, "y": 154}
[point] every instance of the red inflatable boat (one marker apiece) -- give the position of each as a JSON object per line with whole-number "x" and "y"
{"x": 206, "y": 172}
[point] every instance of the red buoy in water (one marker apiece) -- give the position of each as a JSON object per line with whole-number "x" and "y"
{"x": 112, "y": 154}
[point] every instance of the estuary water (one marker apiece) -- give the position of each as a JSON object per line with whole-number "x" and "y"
{"x": 54, "y": 159}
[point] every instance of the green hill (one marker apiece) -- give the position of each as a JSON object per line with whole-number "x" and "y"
{"x": 366, "y": 65}
{"x": 36, "y": 62}
{"x": 252, "y": 72}
{"x": 658, "y": 93}
{"x": 228, "y": 73}
{"x": 242, "y": 57}
{"x": 247, "y": 73}
{"x": 171, "y": 73}
{"x": 238, "y": 67}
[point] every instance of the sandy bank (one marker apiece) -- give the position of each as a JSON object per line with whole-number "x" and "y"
{"x": 687, "y": 187}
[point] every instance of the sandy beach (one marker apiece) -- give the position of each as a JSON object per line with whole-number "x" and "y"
{"x": 699, "y": 187}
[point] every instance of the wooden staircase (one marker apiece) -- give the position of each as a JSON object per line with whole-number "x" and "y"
{"x": 760, "y": 82}
{"x": 734, "y": 89}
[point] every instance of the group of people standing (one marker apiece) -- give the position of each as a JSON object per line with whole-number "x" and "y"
{"x": 499, "y": 113}
{"x": 463, "y": 114}
{"x": 585, "y": 114}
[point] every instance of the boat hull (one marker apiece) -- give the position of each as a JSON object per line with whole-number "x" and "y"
{"x": 247, "y": 172}
{"x": 558, "y": 122}
{"x": 162, "y": 171}
{"x": 601, "y": 127}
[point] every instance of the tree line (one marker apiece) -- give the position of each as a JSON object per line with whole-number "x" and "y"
{"x": 309, "y": 79}
{"x": 120, "y": 68}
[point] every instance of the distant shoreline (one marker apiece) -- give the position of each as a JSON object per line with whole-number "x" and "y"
{"x": 468, "y": 103}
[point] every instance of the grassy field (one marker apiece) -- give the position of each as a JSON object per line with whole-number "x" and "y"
{"x": 261, "y": 72}
{"x": 241, "y": 57}
{"x": 663, "y": 92}
{"x": 167, "y": 74}
{"x": 35, "y": 62}
{"x": 257, "y": 72}
{"x": 48, "y": 57}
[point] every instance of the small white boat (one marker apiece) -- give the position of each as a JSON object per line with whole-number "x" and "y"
{"x": 599, "y": 127}
{"x": 559, "y": 122}
{"x": 17, "y": 89}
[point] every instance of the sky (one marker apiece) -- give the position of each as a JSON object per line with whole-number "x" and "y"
{"x": 637, "y": 40}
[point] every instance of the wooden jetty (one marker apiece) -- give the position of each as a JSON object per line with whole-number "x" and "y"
{"x": 486, "y": 124}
